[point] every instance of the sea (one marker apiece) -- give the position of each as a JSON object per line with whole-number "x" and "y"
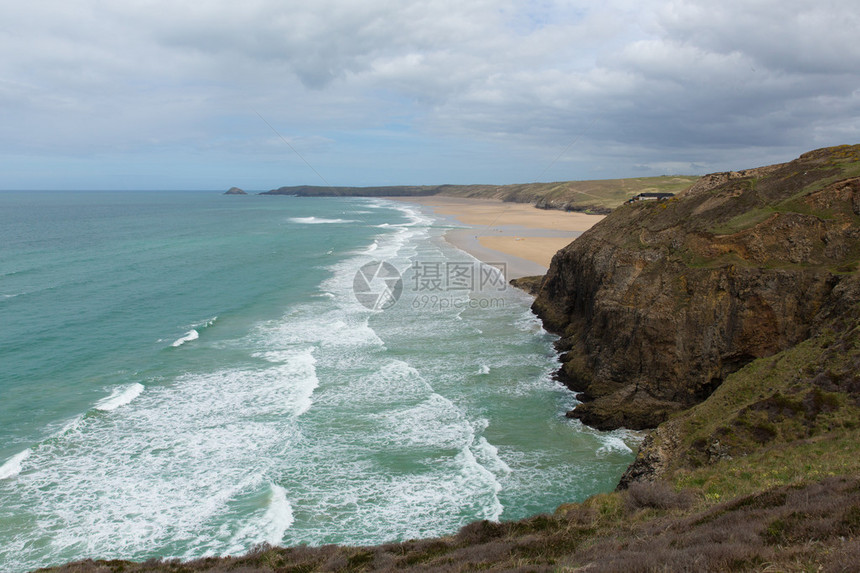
{"x": 188, "y": 374}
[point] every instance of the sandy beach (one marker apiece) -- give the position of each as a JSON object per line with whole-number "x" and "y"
{"x": 521, "y": 236}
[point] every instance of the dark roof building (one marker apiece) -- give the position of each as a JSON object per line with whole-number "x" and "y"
{"x": 651, "y": 197}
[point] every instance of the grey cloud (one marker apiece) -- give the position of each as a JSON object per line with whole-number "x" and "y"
{"x": 665, "y": 84}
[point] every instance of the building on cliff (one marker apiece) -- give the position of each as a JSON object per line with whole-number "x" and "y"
{"x": 651, "y": 197}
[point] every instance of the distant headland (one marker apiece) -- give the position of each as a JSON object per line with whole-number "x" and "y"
{"x": 598, "y": 197}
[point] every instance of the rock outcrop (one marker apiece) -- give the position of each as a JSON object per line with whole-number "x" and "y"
{"x": 659, "y": 302}
{"x": 234, "y": 191}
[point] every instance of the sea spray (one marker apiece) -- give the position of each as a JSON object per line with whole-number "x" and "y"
{"x": 120, "y": 397}
{"x": 187, "y": 337}
{"x": 13, "y": 465}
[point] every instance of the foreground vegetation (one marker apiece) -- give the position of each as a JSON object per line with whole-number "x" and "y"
{"x": 807, "y": 526}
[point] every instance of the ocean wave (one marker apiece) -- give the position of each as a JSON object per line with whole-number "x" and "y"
{"x": 298, "y": 371}
{"x": 318, "y": 220}
{"x": 613, "y": 444}
{"x": 483, "y": 481}
{"x": 393, "y": 225}
{"x": 168, "y": 465}
{"x": 119, "y": 397}
{"x": 278, "y": 517}
{"x": 204, "y": 323}
{"x": 188, "y": 337}
{"x": 12, "y": 466}
{"x": 267, "y": 526}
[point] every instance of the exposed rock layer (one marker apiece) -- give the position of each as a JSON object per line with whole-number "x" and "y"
{"x": 660, "y": 301}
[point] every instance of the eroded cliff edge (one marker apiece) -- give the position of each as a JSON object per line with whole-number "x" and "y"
{"x": 658, "y": 303}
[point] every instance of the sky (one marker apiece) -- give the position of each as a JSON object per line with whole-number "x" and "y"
{"x": 210, "y": 94}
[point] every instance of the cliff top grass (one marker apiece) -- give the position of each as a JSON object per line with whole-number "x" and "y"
{"x": 784, "y": 188}
{"x": 607, "y": 193}
{"x": 780, "y": 216}
{"x": 782, "y": 420}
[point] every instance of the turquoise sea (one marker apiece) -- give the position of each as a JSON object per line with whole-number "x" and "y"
{"x": 187, "y": 373}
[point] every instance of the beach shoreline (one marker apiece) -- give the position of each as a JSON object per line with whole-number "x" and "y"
{"x": 519, "y": 235}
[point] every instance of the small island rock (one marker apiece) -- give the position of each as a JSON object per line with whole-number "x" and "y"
{"x": 235, "y": 191}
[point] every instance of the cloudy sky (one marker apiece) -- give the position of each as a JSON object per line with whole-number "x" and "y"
{"x": 174, "y": 94}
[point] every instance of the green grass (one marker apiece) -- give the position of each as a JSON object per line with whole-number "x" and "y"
{"x": 604, "y": 193}
{"x": 745, "y": 220}
{"x": 841, "y": 163}
{"x": 826, "y": 455}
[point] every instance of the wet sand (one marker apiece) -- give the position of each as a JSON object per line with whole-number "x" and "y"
{"x": 521, "y": 236}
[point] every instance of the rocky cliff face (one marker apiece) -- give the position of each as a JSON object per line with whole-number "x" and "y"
{"x": 660, "y": 301}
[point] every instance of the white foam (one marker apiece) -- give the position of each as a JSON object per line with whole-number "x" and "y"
{"x": 611, "y": 444}
{"x": 414, "y": 214}
{"x": 338, "y": 329}
{"x": 477, "y": 475}
{"x": 394, "y": 225}
{"x": 484, "y": 369}
{"x": 12, "y": 466}
{"x": 318, "y": 220}
{"x": 529, "y": 322}
{"x": 205, "y": 323}
{"x": 70, "y": 426}
{"x": 278, "y": 517}
{"x": 167, "y": 467}
{"x": 188, "y": 337}
{"x": 435, "y": 422}
{"x": 119, "y": 397}
{"x": 488, "y": 455}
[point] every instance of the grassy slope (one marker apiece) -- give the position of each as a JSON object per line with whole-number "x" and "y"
{"x": 606, "y": 193}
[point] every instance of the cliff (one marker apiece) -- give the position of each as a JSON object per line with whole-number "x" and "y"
{"x": 661, "y": 301}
